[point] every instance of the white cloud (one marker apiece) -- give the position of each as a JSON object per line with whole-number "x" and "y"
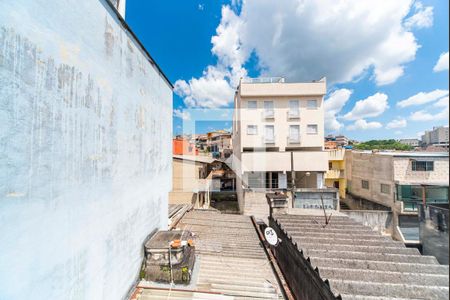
{"x": 364, "y": 125}
{"x": 304, "y": 40}
{"x": 443, "y": 102}
{"x": 442, "y": 63}
{"x": 179, "y": 113}
{"x": 372, "y": 106}
{"x": 422, "y": 98}
{"x": 423, "y": 115}
{"x": 423, "y": 17}
{"x": 215, "y": 88}
{"x": 333, "y": 105}
{"x": 397, "y": 123}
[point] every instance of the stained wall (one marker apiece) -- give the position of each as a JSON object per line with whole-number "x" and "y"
{"x": 85, "y": 151}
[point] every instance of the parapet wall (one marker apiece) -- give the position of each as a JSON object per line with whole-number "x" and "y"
{"x": 85, "y": 150}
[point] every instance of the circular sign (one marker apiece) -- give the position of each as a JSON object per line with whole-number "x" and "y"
{"x": 271, "y": 236}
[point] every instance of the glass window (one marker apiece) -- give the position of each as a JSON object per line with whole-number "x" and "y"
{"x": 294, "y": 133}
{"x": 269, "y": 134}
{"x": 365, "y": 184}
{"x": 423, "y": 165}
{"x": 312, "y": 103}
{"x": 252, "y": 129}
{"x": 252, "y": 105}
{"x": 312, "y": 129}
{"x": 294, "y": 109}
{"x": 385, "y": 188}
{"x": 268, "y": 109}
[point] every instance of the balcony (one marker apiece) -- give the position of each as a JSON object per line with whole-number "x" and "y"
{"x": 293, "y": 114}
{"x": 337, "y": 154}
{"x": 335, "y": 174}
{"x": 293, "y": 140}
{"x": 268, "y": 139}
{"x": 269, "y": 114}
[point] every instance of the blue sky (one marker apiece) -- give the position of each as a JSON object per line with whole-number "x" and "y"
{"x": 382, "y": 53}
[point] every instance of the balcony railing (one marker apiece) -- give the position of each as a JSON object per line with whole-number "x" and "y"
{"x": 293, "y": 140}
{"x": 335, "y": 174}
{"x": 263, "y": 80}
{"x": 268, "y": 114}
{"x": 268, "y": 139}
{"x": 293, "y": 114}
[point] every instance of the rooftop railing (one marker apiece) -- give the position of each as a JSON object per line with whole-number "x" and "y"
{"x": 263, "y": 80}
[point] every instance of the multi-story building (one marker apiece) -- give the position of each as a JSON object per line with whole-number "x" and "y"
{"x": 219, "y": 143}
{"x": 436, "y": 137}
{"x": 399, "y": 181}
{"x": 335, "y": 176}
{"x": 278, "y": 141}
{"x": 183, "y": 146}
{"x": 341, "y": 141}
{"x": 410, "y": 142}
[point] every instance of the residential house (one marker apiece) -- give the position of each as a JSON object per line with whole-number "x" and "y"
{"x": 183, "y": 146}
{"x": 399, "y": 181}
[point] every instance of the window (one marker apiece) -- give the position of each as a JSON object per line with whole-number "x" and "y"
{"x": 312, "y": 103}
{"x": 365, "y": 184}
{"x": 423, "y": 165}
{"x": 330, "y": 165}
{"x": 294, "y": 134}
{"x": 269, "y": 134}
{"x": 312, "y": 129}
{"x": 385, "y": 188}
{"x": 268, "y": 109}
{"x": 252, "y": 105}
{"x": 252, "y": 130}
{"x": 294, "y": 109}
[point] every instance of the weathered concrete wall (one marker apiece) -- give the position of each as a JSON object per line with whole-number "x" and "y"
{"x": 379, "y": 220}
{"x": 85, "y": 151}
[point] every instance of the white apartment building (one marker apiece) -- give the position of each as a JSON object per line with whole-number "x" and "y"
{"x": 438, "y": 136}
{"x": 278, "y": 138}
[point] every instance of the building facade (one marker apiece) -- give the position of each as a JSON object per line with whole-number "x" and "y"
{"x": 410, "y": 142}
{"x": 278, "y": 138}
{"x": 219, "y": 143}
{"x": 183, "y": 146}
{"x": 399, "y": 181}
{"x": 85, "y": 152}
{"x": 335, "y": 176}
{"x": 436, "y": 137}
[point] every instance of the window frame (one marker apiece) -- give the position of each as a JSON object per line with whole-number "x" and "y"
{"x": 294, "y": 110}
{"x": 294, "y": 141}
{"x": 310, "y": 101}
{"x": 388, "y": 186}
{"x": 252, "y": 101}
{"x": 363, "y": 186}
{"x": 266, "y": 140}
{"x": 254, "y": 126}
{"x": 427, "y": 166}
{"x": 312, "y": 133}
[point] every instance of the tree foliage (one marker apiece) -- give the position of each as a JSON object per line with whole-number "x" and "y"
{"x": 383, "y": 145}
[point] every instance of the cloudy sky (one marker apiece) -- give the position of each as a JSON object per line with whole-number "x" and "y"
{"x": 386, "y": 61}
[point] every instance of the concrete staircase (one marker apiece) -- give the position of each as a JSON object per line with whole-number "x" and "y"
{"x": 256, "y": 205}
{"x": 361, "y": 264}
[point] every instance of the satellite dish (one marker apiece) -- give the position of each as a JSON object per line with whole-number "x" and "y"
{"x": 271, "y": 236}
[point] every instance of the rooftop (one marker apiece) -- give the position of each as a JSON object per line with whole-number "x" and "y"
{"x": 230, "y": 261}
{"x": 360, "y": 263}
{"x": 406, "y": 154}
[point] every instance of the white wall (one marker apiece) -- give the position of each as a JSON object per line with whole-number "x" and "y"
{"x": 85, "y": 151}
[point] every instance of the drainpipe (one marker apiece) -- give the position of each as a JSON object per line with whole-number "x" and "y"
{"x": 292, "y": 179}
